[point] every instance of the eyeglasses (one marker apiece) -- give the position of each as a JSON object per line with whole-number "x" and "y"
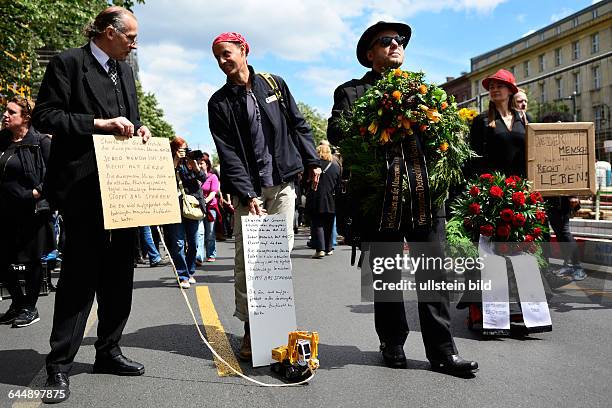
{"x": 131, "y": 38}
{"x": 386, "y": 41}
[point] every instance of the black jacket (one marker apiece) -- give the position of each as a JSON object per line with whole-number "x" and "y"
{"x": 32, "y": 155}
{"x": 323, "y": 200}
{"x": 73, "y": 93}
{"x": 344, "y": 97}
{"x": 228, "y": 121}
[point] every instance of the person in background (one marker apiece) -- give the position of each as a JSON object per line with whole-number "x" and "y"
{"x": 519, "y": 103}
{"x": 559, "y": 214}
{"x": 210, "y": 190}
{"x": 181, "y": 238}
{"x": 320, "y": 203}
{"x": 148, "y": 246}
{"x": 24, "y": 213}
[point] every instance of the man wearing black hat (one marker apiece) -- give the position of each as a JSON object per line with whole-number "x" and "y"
{"x": 382, "y": 47}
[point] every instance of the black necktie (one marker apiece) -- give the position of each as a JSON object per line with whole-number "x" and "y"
{"x": 112, "y": 70}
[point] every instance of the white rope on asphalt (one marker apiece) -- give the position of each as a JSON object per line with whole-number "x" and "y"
{"x": 195, "y": 321}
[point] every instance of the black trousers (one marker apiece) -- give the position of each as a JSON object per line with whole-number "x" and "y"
{"x": 433, "y": 306}
{"x": 33, "y": 280}
{"x": 97, "y": 263}
{"x": 559, "y": 215}
{"x": 322, "y": 228}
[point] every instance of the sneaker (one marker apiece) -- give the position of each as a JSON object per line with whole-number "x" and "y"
{"x": 199, "y": 263}
{"x": 10, "y": 316}
{"x": 184, "y": 284}
{"x": 330, "y": 252}
{"x": 578, "y": 273}
{"x": 565, "y": 270}
{"x": 318, "y": 255}
{"x": 192, "y": 280}
{"x": 210, "y": 259}
{"x": 26, "y": 317}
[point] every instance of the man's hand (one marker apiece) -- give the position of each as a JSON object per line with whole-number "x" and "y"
{"x": 144, "y": 132}
{"x": 314, "y": 173}
{"x": 120, "y": 126}
{"x": 254, "y": 207}
{"x": 35, "y": 194}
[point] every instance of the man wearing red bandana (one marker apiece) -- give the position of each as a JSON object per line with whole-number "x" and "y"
{"x": 263, "y": 143}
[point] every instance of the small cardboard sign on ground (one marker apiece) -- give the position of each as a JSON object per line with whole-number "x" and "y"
{"x": 561, "y": 158}
{"x": 137, "y": 181}
{"x": 269, "y": 284}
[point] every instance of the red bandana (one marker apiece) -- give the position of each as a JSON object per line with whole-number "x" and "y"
{"x": 232, "y": 37}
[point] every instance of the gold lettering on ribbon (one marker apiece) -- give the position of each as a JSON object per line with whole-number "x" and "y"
{"x": 395, "y": 197}
{"x": 418, "y": 175}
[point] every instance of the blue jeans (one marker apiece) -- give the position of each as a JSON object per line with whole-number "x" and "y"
{"x": 209, "y": 236}
{"x": 314, "y": 241}
{"x": 200, "y": 255}
{"x": 148, "y": 244}
{"x": 179, "y": 236}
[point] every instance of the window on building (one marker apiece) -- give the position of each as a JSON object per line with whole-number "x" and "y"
{"x": 513, "y": 50}
{"x": 598, "y": 116}
{"x": 595, "y": 43}
{"x": 558, "y": 60}
{"x": 527, "y": 43}
{"x": 595, "y": 14}
{"x": 476, "y": 89}
{"x": 542, "y": 93}
{"x": 577, "y": 83}
{"x": 526, "y": 68}
{"x": 596, "y": 77}
{"x": 576, "y": 50}
{"x": 541, "y": 63}
{"x": 578, "y": 115}
{"x": 575, "y": 22}
{"x": 559, "y": 84}
{"x": 558, "y": 30}
{"x": 512, "y": 69}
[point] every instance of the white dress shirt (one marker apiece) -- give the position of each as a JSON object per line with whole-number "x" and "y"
{"x": 100, "y": 55}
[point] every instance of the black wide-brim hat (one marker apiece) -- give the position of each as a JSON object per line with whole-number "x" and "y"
{"x": 369, "y": 35}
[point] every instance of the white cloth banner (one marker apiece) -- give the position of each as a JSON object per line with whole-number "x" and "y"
{"x": 531, "y": 291}
{"x": 495, "y": 302}
{"x": 269, "y": 284}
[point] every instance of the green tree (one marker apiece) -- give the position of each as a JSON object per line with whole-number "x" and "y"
{"x": 317, "y": 122}
{"x": 152, "y": 115}
{"x": 30, "y": 25}
{"x": 537, "y": 110}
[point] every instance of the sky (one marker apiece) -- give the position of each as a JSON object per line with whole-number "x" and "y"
{"x": 311, "y": 44}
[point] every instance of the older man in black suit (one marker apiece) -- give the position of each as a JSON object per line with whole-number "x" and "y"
{"x": 85, "y": 91}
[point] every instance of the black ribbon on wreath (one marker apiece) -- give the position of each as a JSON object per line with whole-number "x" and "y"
{"x": 406, "y": 161}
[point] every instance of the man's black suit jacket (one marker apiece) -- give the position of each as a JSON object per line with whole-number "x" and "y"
{"x": 73, "y": 93}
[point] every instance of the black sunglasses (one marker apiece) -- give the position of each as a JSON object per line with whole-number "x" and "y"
{"x": 385, "y": 41}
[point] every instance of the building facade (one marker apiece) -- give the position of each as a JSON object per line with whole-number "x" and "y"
{"x": 567, "y": 62}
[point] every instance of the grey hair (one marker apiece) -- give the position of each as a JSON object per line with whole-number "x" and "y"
{"x": 112, "y": 16}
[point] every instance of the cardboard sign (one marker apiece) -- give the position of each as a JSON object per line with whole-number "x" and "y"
{"x": 561, "y": 158}
{"x": 269, "y": 284}
{"x": 137, "y": 181}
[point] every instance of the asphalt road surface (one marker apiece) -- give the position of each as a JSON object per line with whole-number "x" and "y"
{"x": 568, "y": 367}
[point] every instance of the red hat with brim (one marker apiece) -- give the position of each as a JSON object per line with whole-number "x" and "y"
{"x": 503, "y": 76}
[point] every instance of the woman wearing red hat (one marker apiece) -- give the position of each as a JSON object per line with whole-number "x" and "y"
{"x": 498, "y": 137}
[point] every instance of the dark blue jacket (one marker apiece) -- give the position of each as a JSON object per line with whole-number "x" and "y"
{"x": 228, "y": 120}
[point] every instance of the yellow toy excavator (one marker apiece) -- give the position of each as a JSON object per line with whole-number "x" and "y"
{"x": 298, "y": 357}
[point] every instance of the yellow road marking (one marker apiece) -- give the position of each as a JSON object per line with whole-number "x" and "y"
{"x": 42, "y": 374}
{"x": 216, "y": 333}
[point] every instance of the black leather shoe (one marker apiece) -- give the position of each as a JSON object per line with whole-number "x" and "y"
{"x": 393, "y": 356}
{"x": 118, "y": 365}
{"x": 56, "y": 389}
{"x": 454, "y": 365}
